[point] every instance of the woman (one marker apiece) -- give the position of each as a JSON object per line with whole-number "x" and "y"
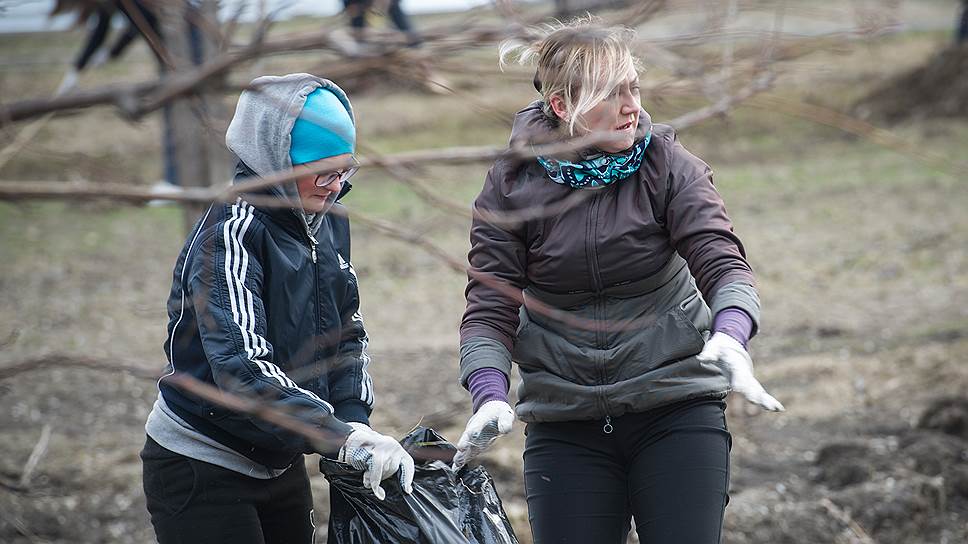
{"x": 264, "y": 305}
{"x": 624, "y": 367}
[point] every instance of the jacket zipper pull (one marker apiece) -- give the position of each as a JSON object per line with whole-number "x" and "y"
{"x": 313, "y": 242}
{"x": 607, "y": 429}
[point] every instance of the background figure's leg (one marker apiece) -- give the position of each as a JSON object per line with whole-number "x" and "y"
{"x": 402, "y": 22}
{"x": 963, "y": 25}
{"x": 356, "y": 11}
{"x": 95, "y": 38}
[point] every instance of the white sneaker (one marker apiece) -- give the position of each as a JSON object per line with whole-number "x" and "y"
{"x": 161, "y": 188}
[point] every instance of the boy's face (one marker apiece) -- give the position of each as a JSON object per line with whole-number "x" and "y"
{"x": 316, "y": 199}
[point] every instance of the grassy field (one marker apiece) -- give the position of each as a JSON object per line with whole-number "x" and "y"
{"x": 860, "y": 251}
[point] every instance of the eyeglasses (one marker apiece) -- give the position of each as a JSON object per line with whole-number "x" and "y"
{"x": 329, "y": 178}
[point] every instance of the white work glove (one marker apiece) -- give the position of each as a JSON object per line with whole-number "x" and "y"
{"x": 379, "y": 457}
{"x": 493, "y": 419}
{"x": 725, "y": 351}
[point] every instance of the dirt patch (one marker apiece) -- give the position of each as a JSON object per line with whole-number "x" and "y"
{"x": 906, "y": 484}
{"x": 949, "y": 416}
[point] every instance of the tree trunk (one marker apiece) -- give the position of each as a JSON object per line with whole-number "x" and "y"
{"x": 196, "y": 134}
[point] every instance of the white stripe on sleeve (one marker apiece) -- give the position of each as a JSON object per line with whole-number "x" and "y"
{"x": 241, "y": 298}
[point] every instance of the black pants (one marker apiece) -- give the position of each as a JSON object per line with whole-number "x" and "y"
{"x": 192, "y": 501}
{"x": 669, "y": 468}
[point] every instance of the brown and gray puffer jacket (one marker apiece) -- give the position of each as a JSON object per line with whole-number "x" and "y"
{"x": 627, "y": 270}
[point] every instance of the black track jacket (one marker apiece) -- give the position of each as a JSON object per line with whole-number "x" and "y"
{"x": 262, "y": 309}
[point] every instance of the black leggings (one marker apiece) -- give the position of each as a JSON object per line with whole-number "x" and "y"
{"x": 192, "y": 501}
{"x": 669, "y": 468}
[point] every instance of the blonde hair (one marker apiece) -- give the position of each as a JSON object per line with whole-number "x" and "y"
{"x": 581, "y": 61}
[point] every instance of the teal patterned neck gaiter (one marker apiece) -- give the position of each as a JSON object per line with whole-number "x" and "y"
{"x": 597, "y": 170}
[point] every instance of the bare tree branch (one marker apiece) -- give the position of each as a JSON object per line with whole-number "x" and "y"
{"x": 724, "y": 104}
{"x": 852, "y": 125}
{"x": 844, "y": 517}
{"x": 455, "y": 155}
{"x": 136, "y": 100}
{"x": 69, "y": 361}
{"x": 321, "y": 439}
{"x": 150, "y": 36}
{"x": 40, "y": 448}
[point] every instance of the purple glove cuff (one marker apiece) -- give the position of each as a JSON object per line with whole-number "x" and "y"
{"x": 734, "y": 322}
{"x": 487, "y": 384}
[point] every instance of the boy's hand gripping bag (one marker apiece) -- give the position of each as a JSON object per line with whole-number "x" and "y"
{"x": 445, "y": 507}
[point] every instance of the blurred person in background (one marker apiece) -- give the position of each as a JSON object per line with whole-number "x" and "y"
{"x": 623, "y": 388}
{"x": 357, "y": 10}
{"x": 428, "y": 78}
{"x": 961, "y": 35}
{"x": 264, "y": 305}
{"x": 141, "y": 19}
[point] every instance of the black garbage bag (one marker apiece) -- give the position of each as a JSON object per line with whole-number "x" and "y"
{"x": 445, "y": 506}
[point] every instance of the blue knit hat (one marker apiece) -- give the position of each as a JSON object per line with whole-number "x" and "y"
{"x": 323, "y": 129}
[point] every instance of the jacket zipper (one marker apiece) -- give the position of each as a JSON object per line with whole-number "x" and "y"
{"x": 317, "y": 328}
{"x": 312, "y": 245}
{"x": 592, "y": 255}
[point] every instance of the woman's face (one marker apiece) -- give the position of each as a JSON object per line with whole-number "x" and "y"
{"x": 617, "y": 115}
{"x": 316, "y": 199}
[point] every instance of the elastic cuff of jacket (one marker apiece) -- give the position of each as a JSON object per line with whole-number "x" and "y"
{"x": 355, "y": 411}
{"x": 474, "y": 332}
{"x": 742, "y": 296}
{"x": 480, "y": 352}
{"x": 334, "y": 436}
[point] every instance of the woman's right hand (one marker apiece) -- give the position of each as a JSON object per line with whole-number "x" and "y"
{"x": 493, "y": 419}
{"x": 724, "y": 350}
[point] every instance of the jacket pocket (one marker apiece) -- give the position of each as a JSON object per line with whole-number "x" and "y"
{"x": 695, "y": 310}
{"x": 689, "y": 300}
{"x": 672, "y": 338}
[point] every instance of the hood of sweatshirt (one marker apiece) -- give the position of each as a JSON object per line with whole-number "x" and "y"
{"x": 259, "y": 133}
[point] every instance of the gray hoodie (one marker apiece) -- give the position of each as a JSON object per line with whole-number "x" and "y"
{"x": 259, "y": 131}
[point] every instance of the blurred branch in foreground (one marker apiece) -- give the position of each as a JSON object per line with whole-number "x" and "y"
{"x": 68, "y": 361}
{"x": 321, "y": 440}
